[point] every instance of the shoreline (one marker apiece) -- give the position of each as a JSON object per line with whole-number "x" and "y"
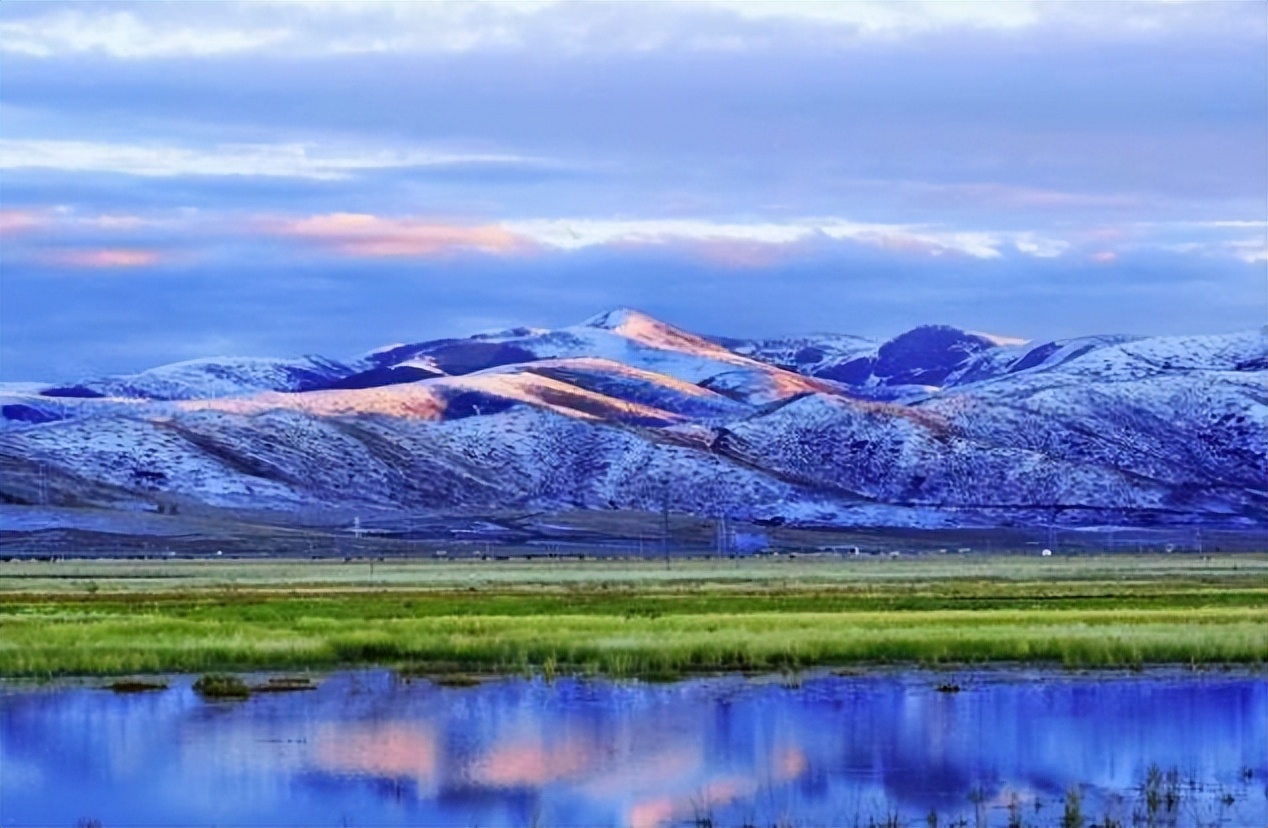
{"x": 971, "y": 675}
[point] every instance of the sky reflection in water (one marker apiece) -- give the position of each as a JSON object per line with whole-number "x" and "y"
{"x": 368, "y": 748}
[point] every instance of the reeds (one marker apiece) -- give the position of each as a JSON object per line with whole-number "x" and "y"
{"x": 516, "y": 632}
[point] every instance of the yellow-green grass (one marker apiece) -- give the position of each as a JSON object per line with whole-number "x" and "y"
{"x": 133, "y": 575}
{"x": 630, "y": 618}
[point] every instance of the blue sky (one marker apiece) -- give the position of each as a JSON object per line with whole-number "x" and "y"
{"x": 187, "y": 179}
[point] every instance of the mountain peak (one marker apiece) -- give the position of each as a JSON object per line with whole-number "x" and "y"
{"x": 618, "y": 318}
{"x": 651, "y": 332}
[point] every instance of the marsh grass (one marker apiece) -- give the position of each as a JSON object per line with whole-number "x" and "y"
{"x": 647, "y": 629}
{"x": 137, "y": 686}
{"x": 1072, "y": 815}
{"x": 221, "y": 686}
{"x": 457, "y": 680}
{"x": 1158, "y": 804}
{"x": 284, "y": 684}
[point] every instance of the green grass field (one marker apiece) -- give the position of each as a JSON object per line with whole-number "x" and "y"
{"x": 630, "y": 617}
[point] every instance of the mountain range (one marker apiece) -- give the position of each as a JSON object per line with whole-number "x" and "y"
{"x": 936, "y": 427}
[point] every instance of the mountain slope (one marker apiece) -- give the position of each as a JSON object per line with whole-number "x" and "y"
{"x": 934, "y": 427}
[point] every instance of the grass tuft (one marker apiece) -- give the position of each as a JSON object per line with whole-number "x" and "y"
{"x": 136, "y": 686}
{"x": 221, "y": 686}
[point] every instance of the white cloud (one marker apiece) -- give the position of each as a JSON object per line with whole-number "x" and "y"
{"x": 1041, "y": 248}
{"x": 1250, "y": 251}
{"x": 890, "y": 17}
{"x": 173, "y": 30}
{"x": 573, "y": 234}
{"x": 269, "y": 160}
{"x": 123, "y": 35}
{"x": 186, "y": 30}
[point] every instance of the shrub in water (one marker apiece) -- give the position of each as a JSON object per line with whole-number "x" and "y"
{"x": 220, "y": 686}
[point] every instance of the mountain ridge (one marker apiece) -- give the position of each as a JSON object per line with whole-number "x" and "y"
{"x": 934, "y": 427}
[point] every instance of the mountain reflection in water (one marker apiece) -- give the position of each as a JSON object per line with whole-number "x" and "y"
{"x": 370, "y": 748}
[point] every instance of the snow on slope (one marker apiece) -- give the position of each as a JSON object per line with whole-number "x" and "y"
{"x": 523, "y": 456}
{"x": 485, "y": 392}
{"x": 1153, "y": 356}
{"x": 923, "y": 356}
{"x": 609, "y": 413}
{"x": 868, "y": 452}
{"x": 22, "y": 406}
{"x": 807, "y": 354}
{"x": 144, "y": 455}
{"x": 1191, "y": 412}
{"x": 622, "y": 336}
{"x": 212, "y": 377}
{"x": 660, "y": 391}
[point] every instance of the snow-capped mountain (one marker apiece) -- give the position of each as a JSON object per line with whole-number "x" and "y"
{"x": 934, "y": 427}
{"x": 212, "y": 377}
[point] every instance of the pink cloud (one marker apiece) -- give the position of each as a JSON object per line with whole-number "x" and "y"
{"x": 1105, "y": 256}
{"x": 363, "y": 235}
{"x": 116, "y": 257}
{"x": 17, "y": 221}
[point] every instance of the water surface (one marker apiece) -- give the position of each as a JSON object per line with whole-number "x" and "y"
{"x": 370, "y": 748}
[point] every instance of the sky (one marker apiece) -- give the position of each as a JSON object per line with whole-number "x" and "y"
{"x": 182, "y": 179}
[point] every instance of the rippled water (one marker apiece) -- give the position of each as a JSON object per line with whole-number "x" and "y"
{"x": 369, "y": 748}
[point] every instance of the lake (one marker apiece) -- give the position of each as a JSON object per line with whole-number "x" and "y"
{"x": 372, "y": 748}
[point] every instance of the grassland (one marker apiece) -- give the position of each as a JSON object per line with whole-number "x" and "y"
{"x": 630, "y": 618}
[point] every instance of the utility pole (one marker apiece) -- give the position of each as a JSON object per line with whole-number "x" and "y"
{"x": 723, "y": 540}
{"x": 664, "y": 521}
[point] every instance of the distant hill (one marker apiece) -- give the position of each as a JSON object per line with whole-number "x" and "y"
{"x": 935, "y": 427}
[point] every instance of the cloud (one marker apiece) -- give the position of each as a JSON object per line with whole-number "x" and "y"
{"x": 1250, "y": 251}
{"x": 572, "y": 234}
{"x": 887, "y": 18}
{"x": 739, "y": 244}
{"x": 284, "y": 160}
{"x": 1006, "y": 196}
{"x": 107, "y": 258}
{"x": 17, "y": 221}
{"x": 726, "y": 244}
{"x": 1042, "y": 248}
{"x": 1225, "y": 238}
{"x": 124, "y": 35}
{"x": 150, "y": 32}
{"x": 732, "y": 244}
{"x": 358, "y": 234}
